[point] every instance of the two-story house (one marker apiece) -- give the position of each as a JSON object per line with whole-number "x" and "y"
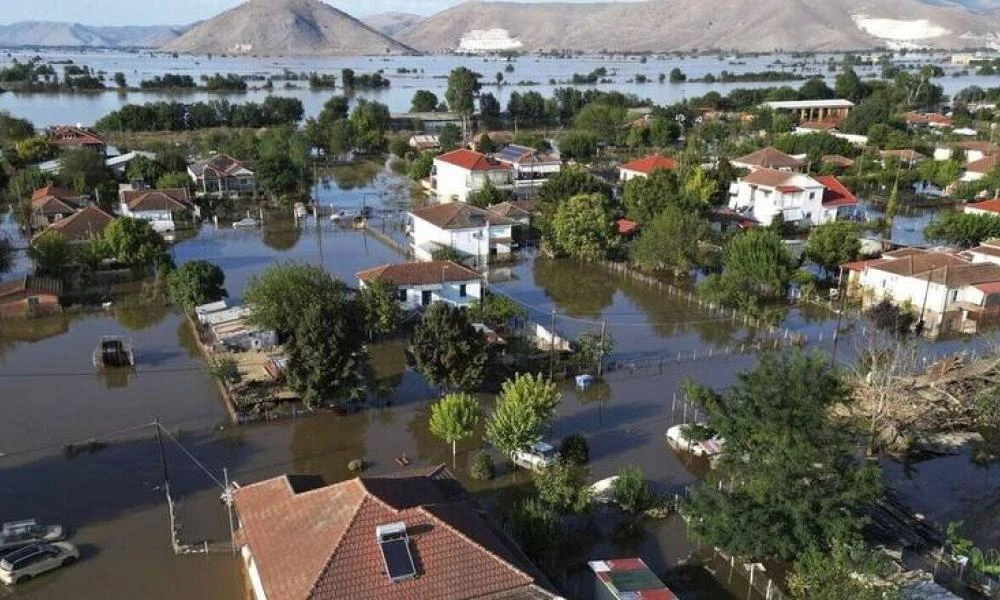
{"x": 459, "y": 173}
{"x": 769, "y": 158}
{"x": 74, "y": 137}
{"x": 531, "y": 167}
{"x": 473, "y": 233}
{"x": 800, "y": 199}
{"x": 418, "y": 284}
{"x": 222, "y": 176}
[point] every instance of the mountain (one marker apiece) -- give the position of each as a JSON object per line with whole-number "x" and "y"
{"x": 391, "y": 23}
{"x": 285, "y": 27}
{"x": 50, "y": 33}
{"x": 748, "y": 25}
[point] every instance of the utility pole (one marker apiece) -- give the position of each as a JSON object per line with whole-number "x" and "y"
{"x": 600, "y": 355}
{"x": 229, "y": 508}
{"x": 163, "y": 456}
{"x": 552, "y": 345}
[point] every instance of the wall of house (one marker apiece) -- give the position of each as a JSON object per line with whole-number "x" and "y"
{"x": 930, "y": 299}
{"x": 984, "y": 258}
{"x": 629, "y": 174}
{"x": 161, "y": 220}
{"x": 471, "y": 242}
{"x": 767, "y": 203}
{"x": 450, "y": 293}
{"x": 451, "y": 182}
{"x": 252, "y": 574}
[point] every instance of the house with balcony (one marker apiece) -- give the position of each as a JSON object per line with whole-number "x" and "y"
{"x": 949, "y": 292}
{"x": 644, "y": 167}
{"x": 531, "y": 167}
{"x": 462, "y": 172}
{"x": 415, "y": 534}
{"x": 163, "y": 209}
{"x": 813, "y": 110}
{"x": 418, "y": 284}
{"x": 222, "y": 176}
{"x": 475, "y": 234}
{"x": 800, "y": 199}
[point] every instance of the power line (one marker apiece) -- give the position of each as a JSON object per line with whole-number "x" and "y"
{"x": 191, "y": 456}
{"x": 57, "y": 445}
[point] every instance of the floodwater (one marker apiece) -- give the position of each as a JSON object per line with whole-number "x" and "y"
{"x": 423, "y": 72}
{"x": 109, "y": 494}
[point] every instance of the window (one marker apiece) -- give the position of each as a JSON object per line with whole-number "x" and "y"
{"x": 401, "y": 294}
{"x": 812, "y": 195}
{"x": 462, "y": 292}
{"x": 954, "y": 295}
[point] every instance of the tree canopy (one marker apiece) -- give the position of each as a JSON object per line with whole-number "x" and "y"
{"x": 323, "y": 350}
{"x": 380, "y": 305}
{"x": 448, "y": 350}
{"x": 962, "y": 229}
{"x": 195, "y": 283}
{"x": 671, "y": 241}
{"x": 833, "y": 244}
{"x": 454, "y": 418}
{"x": 279, "y": 296}
{"x": 135, "y": 242}
{"x": 584, "y": 227}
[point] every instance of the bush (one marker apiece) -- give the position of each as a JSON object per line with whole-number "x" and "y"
{"x": 482, "y": 467}
{"x": 356, "y": 466}
{"x": 631, "y": 492}
{"x": 574, "y": 450}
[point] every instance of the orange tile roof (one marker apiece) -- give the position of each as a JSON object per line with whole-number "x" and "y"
{"x": 458, "y": 215}
{"x": 768, "y": 177}
{"x": 66, "y": 135}
{"x": 83, "y": 225}
{"x": 992, "y": 206}
{"x": 471, "y": 161}
{"x": 769, "y": 158}
{"x": 55, "y": 191}
{"x": 174, "y": 199}
{"x": 319, "y": 543}
{"x": 650, "y": 163}
{"x": 836, "y": 194}
{"x": 627, "y": 227}
{"x": 984, "y": 165}
{"x": 420, "y": 273}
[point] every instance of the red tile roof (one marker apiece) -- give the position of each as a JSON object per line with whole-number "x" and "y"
{"x": 915, "y": 118}
{"x": 55, "y": 191}
{"x": 838, "y": 160}
{"x": 471, "y": 161}
{"x": 84, "y": 225}
{"x": 650, "y": 163}
{"x": 768, "y": 177}
{"x": 320, "y": 543}
{"x": 420, "y": 273}
{"x": 836, "y": 194}
{"x": 992, "y": 206}
{"x": 66, "y": 135}
{"x": 627, "y": 227}
{"x": 989, "y": 288}
{"x": 984, "y": 165}
{"x": 769, "y": 158}
{"x": 458, "y": 215}
{"x": 173, "y": 199}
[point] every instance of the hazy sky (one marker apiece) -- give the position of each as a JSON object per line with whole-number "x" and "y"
{"x": 180, "y": 12}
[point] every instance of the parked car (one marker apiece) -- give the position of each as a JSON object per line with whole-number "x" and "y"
{"x": 247, "y": 223}
{"x": 21, "y": 533}
{"x": 537, "y": 456}
{"x": 696, "y": 438}
{"x": 31, "y": 561}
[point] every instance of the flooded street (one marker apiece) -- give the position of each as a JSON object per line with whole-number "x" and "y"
{"x": 108, "y": 493}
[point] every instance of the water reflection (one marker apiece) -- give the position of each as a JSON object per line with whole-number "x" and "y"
{"x": 137, "y": 318}
{"x": 576, "y": 288}
{"x": 280, "y": 234}
{"x": 356, "y": 175}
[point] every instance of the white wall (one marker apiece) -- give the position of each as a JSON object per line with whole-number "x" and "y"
{"x": 454, "y": 183}
{"x": 901, "y": 289}
{"x": 629, "y": 174}
{"x": 465, "y": 241}
{"x": 767, "y": 203}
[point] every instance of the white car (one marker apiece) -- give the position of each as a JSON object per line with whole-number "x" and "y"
{"x": 678, "y": 437}
{"x": 31, "y": 561}
{"x": 21, "y": 533}
{"x": 537, "y": 456}
{"x": 247, "y": 223}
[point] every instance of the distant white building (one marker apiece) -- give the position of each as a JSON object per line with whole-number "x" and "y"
{"x": 471, "y": 232}
{"x": 644, "y": 167}
{"x": 973, "y": 150}
{"x": 813, "y": 110}
{"x": 459, "y": 173}
{"x": 419, "y": 284}
{"x": 798, "y": 198}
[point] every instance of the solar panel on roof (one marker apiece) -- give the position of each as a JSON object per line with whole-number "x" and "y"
{"x": 512, "y": 153}
{"x": 395, "y": 547}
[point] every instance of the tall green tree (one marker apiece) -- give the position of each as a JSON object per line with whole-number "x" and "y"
{"x": 448, "y": 350}
{"x": 603, "y": 120}
{"x": 671, "y": 241}
{"x": 513, "y": 426}
{"x": 756, "y": 267}
{"x": 562, "y": 186}
{"x": 962, "y": 229}
{"x": 279, "y": 296}
{"x": 584, "y": 227}
{"x": 369, "y": 123}
{"x": 195, "y": 283}
{"x": 323, "y": 350}
{"x": 51, "y": 254}
{"x": 454, "y": 418}
{"x": 797, "y": 480}
{"x": 380, "y": 306}
{"x": 646, "y": 197}
{"x": 84, "y": 170}
{"x": 423, "y": 101}
{"x": 134, "y": 242}
{"x": 463, "y": 86}
{"x": 534, "y": 391}
{"x": 833, "y": 244}
{"x": 489, "y": 195}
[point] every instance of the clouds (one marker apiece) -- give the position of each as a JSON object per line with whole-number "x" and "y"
{"x": 182, "y": 12}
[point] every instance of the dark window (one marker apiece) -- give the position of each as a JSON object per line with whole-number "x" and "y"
{"x": 425, "y": 298}
{"x": 462, "y": 291}
{"x": 402, "y": 295}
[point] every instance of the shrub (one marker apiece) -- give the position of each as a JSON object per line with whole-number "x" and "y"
{"x": 574, "y": 450}
{"x": 631, "y": 492}
{"x": 355, "y": 466}
{"x": 482, "y": 467}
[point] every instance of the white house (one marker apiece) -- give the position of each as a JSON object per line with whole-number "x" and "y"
{"x": 418, "y": 284}
{"x": 977, "y": 169}
{"x": 530, "y": 166}
{"x": 813, "y": 110}
{"x": 461, "y": 172}
{"x": 973, "y": 150}
{"x": 162, "y": 208}
{"x": 987, "y": 252}
{"x": 946, "y": 291}
{"x": 799, "y": 198}
{"x": 471, "y": 232}
{"x": 222, "y": 176}
{"x": 644, "y": 167}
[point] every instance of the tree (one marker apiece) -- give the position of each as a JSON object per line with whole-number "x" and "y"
{"x": 134, "y": 242}
{"x": 677, "y": 76}
{"x": 962, "y": 229}
{"x": 278, "y": 175}
{"x": 454, "y": 418}
{"x": 513, "y": 426}
{"x": 895, "y": 320}
{"x": 850, "y": 87}
{"x": 120, "y": 80}
{"x": 347, "y": 78}
{"x": 487, "y": 145}
{"x": 815, "y": 89}
{"x": 562, "y": 489}
{"x": 24, "y": 182}
{"x": 448, "y": 350}
{"x": 380, "y": 305}
{"x": 173, "y": 180}
{"x": 6, "y": 257}
{"x": 833, "y": 244}
{"x": 537, "y": 527}
{"x": 369, "y": 122}
{"x": 323, "y": 348}
{"x": 34, "y": 150}
{"x": 145, "y": 169}
{"x": 646, "y": 197}
{"x": 533, "y": 391}
{"x": 591, "y": 347}
{"x": 279, "y": 296}
{"x": 423, "y": 101}
{"x": 579, "y": 145}
{"x": 756, "y": 267}
{"x": 51, "y": 254}
{"x": 496, "y": 310}
{"x": 195, "y": 283}
{"x": 562, "y": 186}
{"x": 463, "y": 85}
{"x": 489, "y": 110}
{"x": 489, "y": 195}
{"x": 671, "y": 242}
{"x": 584, "y": 227}
{"x": 797, "y": 480}
{"x": 892, "y": 204}
{"x": 603, "y": 120}
{"x": 844, "y": 572}
{"x": 631, "y": 491}
{"x": 449, "y": 136}
{"x": 84, "y": 169}
{"x": 340, "y": 141}
{"x": 421, "y": 166}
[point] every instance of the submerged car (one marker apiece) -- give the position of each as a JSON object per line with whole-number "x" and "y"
{"x": 537, "y": 456}
{"x": 21, "y": 533}
{"x": 247, "y": 223}
{"x": 35, "y": 559}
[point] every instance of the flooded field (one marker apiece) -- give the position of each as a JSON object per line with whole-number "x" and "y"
{"x": 108, "y": 492}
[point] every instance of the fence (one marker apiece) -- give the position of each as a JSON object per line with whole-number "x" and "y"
{"x": 203, "y": 547}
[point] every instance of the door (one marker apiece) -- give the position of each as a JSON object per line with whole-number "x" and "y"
{"x": 425, "y": 298}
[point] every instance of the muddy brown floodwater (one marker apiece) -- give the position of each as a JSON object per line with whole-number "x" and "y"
{"x": 109, "y": 497}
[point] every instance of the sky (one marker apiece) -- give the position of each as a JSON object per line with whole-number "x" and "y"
{"x": 182, "y": 12}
